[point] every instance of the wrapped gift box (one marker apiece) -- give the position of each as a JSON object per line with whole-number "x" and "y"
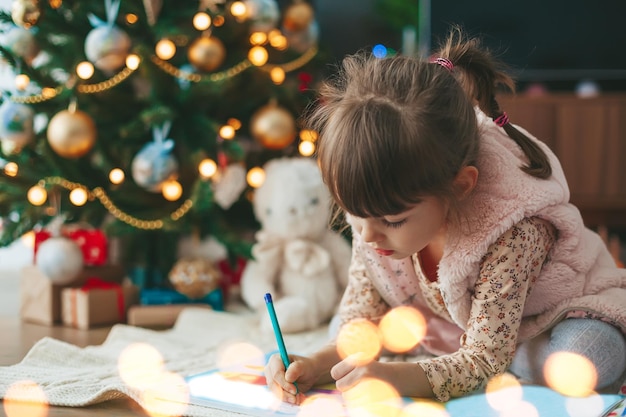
{"x": 158, "y": 315}
{"x": 97, "y": 303}
{"x": 40, "y": 299}
{"x": 92, "y": 242}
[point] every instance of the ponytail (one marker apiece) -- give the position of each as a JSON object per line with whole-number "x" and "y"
{"x": 480, "y": 76}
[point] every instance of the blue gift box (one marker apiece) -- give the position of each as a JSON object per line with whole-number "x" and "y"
{"x": 160, "y": 296}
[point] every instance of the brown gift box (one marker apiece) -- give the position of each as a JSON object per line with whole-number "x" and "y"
{"x": 164, "y": 315}
{"x": 97, "y": 303}
{"x": 40, "y": 299}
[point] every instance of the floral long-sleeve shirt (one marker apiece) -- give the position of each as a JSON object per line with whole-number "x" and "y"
{"x": 507, "y": 273}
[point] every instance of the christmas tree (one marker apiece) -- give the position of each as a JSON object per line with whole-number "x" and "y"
{"x": 150, "y": 120}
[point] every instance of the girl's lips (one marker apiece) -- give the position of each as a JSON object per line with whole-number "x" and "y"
{"x": 384, "y": 252}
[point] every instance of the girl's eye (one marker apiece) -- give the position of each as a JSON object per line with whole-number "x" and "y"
{"x": 393, "y": 225}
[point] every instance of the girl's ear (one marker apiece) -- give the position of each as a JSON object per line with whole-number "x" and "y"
{"x": 465, "y": 181}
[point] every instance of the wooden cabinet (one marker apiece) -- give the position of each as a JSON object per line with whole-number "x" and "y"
{"x": 589, "y": 137}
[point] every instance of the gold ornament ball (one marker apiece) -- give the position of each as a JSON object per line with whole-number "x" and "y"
{"x": 206, "y": 53}
{"x": 273, "y": 126}
{"x": 71, "y": 134}
{"x": 298, "y": 16}
{"x": 195, "y": 277}
{"x": 25, "y": 13}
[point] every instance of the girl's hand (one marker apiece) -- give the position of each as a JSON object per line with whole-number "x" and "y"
{"x": 301, "y": 370}
{"x": 352, "y": 370}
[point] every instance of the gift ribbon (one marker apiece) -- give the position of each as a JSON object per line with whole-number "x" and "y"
{"x": 94, "y": 283}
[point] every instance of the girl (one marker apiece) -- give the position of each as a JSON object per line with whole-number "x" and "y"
{"x": 465, "y": 216}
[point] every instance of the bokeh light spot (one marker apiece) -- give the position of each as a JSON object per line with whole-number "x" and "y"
{"x": 373, "y": 398}
{"x": 503, "y": 392}
{"x": 167, "y": 396}
{"x": 239, "y": 352}
{"x": 570, "y": 374}
{"x": 360, "y": 339}
{"x": 592, "y": 405}
{"x": 424, "y": 408}
{"x": 139, "y": 365}
{"x": 402, "y": 328}
{"x": 25, "y": 398}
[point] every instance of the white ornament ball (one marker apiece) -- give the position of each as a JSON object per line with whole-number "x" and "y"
{"x": 21, "y": 42}
{"x": 16, "y": 125}
{"x": 263, "y": 14}
{"x": 61, "y": 259}
{"x": 154, "y": 164}
{"x": 107, "y": 47}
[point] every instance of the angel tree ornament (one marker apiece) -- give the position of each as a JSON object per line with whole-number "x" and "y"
{"x": 107, "y": 46}
{"x": 155, "y": 163}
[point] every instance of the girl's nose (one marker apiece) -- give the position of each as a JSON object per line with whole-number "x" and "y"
{"x": 369, "y": 233}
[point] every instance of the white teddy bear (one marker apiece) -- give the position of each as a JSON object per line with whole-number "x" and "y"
{"x": 296, "y": 257}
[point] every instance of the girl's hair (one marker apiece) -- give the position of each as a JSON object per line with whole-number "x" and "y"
{"x": 394, "y": 130}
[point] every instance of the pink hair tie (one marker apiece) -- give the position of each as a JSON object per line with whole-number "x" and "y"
{"x": 502, "y": 120}
{"x": 444, "y": 62}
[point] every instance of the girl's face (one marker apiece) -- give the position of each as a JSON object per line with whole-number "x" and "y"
{"x": 406, "y": 233}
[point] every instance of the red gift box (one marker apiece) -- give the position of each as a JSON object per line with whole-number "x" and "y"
{"x": 92, "y": 242}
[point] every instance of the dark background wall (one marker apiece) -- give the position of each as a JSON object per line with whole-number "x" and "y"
{"x": 559, "y": 42}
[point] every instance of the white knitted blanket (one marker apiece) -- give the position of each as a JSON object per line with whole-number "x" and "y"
{"x": 74, "y": 377}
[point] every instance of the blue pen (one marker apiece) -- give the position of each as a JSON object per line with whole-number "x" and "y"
{"x": 279, "y": 335}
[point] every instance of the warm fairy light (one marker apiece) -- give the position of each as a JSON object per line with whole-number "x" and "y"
{"x": 37, "y": 195}
{"x": 28, "y": 239}
{"x": 139, "y": 365}
{"x": 306, "y": 148}
{"x": 424, "y": 408}
{"x": 235, "y": 123}
{"x": 168, "y": 395}
{"x": 320, "y": 405}
{"x": 207, "y": 168}
{"x": 503, "y": 392}
{"x": 359, "y": 339}
{"x": 10, "y": 169}
{"x": 116, "y": 176}
{"x": 308, "y": 135}
{"x": 258, "y": 55}
{"x": 55, "y": 4}
{"x": 85, "y": 70}
{"x": 227, "y": 132}
{"x": 372, "y": 397}
{"x": 22, "y": 81}
{"x": 172, "y": 190}
{"x": 165, "y": 49}
{"x": 131, "y": 18}
{"x": 132, "y": 61}
{"x": 279, "y": 42}
{"x": 78, "y": 196}
{"x": 234, "y": 353}
{"x": 218, "y": 21}
{"x": 258, "y": 38}
{"x": 277, "y": 74}
{"x": 255, "y": 177}
{"x": 25, "y": 398}
{"x": 201, "y": 21}
{"x": 402, "y": 328}
{"x": 238, "y": 9}
{"x": 570, "y": 374}
{"x": 48, "y": 92}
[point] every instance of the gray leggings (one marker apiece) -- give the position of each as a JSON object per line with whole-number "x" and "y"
{"x": 604, "y": 345}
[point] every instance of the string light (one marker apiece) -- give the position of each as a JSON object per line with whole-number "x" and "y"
{"x": 306, "y": 148}
{"x": 258, "y": 55}
{"x": 258, "y": 38}
{"x": 37, "y": 195}
{"x": 116, "y": 176}
{"x": 132, "y": 61}
{"x": 85, "y": 70}
{"x": 201, "y": 21}
{"x": 21, "y": 82}
{"x": 172, "y": 190}
{"x": 235, "y": 123}
{"x": 131, "y": 18}
{"x": 277, "y": 74}
{"x": 238, "y": 9}
{"x": 227, "y": 132}
{"x": 11, "y": 169}
{"x": 207, "y": 168}
{"x": 308, "y": 135}
{"x": 78, "y": 196}
{"x": 255, "y": 177}
{"x": 165, "y": 49}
